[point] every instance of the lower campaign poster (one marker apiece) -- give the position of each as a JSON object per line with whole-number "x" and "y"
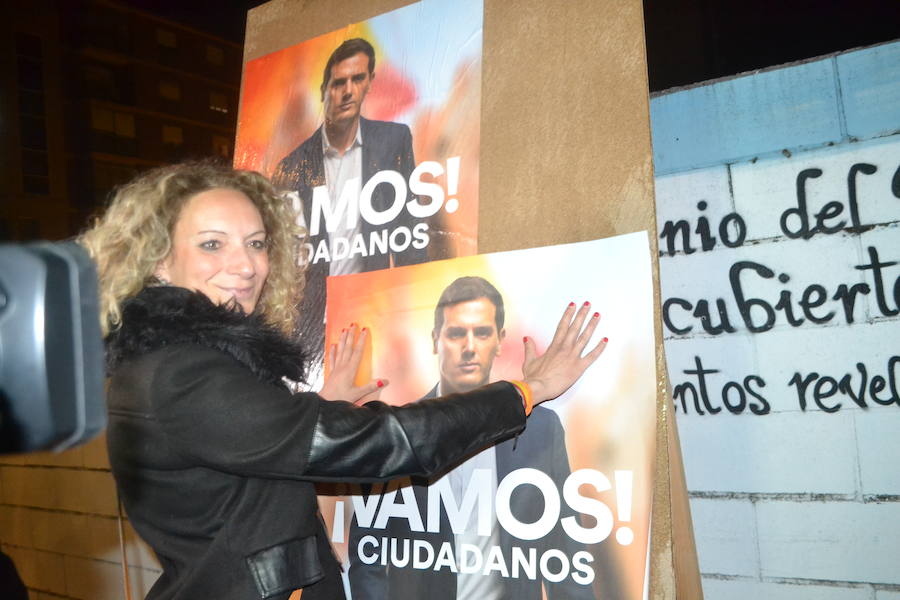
{"x": 561, "y": 511}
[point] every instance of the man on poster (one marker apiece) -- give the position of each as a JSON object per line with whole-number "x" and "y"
{"x": 329, "y": 171}
{"x": 467, "y": 336}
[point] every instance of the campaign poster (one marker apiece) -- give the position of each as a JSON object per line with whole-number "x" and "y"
{"x": 373, "y": 131}
{"x": 562, "y": 510}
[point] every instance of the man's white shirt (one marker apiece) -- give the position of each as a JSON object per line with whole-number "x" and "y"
{"x": 476, "y": 585}
{"x": 338, "y": 171}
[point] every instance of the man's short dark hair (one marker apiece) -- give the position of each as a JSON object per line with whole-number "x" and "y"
{"x": 349, "y": 48}
{"x": 466, "y": 289}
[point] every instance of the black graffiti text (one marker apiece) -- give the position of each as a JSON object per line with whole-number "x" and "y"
{"x": 815, "y": 304}
{"x": 831, "y": 393}
{"x": 796, "y": 221}
{"x": 735, "y": 397}
{"x": 732, "y": 232}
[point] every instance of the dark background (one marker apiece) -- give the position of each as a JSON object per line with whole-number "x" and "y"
{"x": 93, "y": 92}
{"x": 688, "y": 41}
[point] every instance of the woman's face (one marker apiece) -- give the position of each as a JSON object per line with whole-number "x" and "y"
{"x": 219, "y": 248}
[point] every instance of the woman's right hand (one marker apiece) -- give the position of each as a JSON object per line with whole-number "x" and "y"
{"x": 559, "y": 367}
{"x": 344, "y": 359}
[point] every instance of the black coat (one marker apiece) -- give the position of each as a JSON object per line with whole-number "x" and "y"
{"x": 214, "y": 458}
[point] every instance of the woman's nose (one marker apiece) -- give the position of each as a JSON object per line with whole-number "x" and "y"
{"x": 240, "y": 263}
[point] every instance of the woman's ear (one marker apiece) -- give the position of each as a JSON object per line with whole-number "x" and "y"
{"x": 162, "y": 271}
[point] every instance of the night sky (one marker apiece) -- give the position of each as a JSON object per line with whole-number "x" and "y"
{"x": 688, "y": 41}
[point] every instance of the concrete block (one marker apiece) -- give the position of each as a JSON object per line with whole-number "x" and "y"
{"x": 795, "y": 265}
{"x": 99, "y": 580}
{"x": 105, "y": 544}
{"x": 879, "y": 447}
{"x": 886, "y": 244}
{"x": 22, "y": 559}
{"x": 50, "y": 572}
{"x": 725, "y": 533}
{"x": 779, "y": 270}
{"x": 836, "y": 541}
{"x": 40, "y": 570}
{"x": 16, "y": 526}
{"x": 87, "y": 491}
{"x": 88, "y": 578}
{"x": 63, "y": 533}
{"x": 823, "y": 357}
{"x": 870, "y": 89}
{"x": 678, "y": 196}
{"x": 777, "y": 453}
{"x": 886, "y": 595}
{"x": 95, "y": 453}
{"x": 765, "y": 189}
{"x": 680, "y": 278}
{"x": 44, "y": 596}
{"x": 104, "y": 538}
{"x": 725, "y": 589}
{"x": 69, "y": 458}
{"x": 76, "y": 535}
{"x": 743, "y": 117}
{"x": 29, "y": 486}
{"x": 74, "y": 490}
{"x": 734, "y": 357}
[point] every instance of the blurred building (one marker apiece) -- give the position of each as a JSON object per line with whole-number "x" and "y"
{"x": 92, "y": 92}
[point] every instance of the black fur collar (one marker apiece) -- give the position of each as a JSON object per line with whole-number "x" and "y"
{"x": 163, "y": 316}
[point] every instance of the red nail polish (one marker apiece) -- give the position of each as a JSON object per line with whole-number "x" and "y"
{"x": 605, "y": 340}
{"x": 344, "y": 330}
{"x": 596, "y": 315}
{"x": 571, "y": 304}
{"x": 365, "y": 329}
{"x": 587, "y": 303}
{"x": 525, "y": 339}
{"x": 379, "y": 383}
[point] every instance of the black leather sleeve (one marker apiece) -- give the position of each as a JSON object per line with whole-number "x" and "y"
{"x": 379, "y": 442}
{"x": 216, "y": 413}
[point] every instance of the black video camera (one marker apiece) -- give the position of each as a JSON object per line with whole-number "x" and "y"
{"x": 51, "y": 351}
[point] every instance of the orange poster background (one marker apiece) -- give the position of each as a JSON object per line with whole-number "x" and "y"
{"x": 427, "y": 75}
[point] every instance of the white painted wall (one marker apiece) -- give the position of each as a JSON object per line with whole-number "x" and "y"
{"x": 798, "y": 501}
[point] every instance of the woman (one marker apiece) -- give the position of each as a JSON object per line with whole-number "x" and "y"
{"x": 214, "y": 458}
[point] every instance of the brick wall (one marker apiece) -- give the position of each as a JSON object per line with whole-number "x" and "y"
{"x": 58, "y": 524}
{"x": 793, "y": 495}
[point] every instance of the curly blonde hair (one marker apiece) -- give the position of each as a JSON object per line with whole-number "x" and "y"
{"x": 135, "y": 233}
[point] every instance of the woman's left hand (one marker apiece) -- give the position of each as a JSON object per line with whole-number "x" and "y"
{"x": 344, "y": 359}
{"x": 559, "y": 367}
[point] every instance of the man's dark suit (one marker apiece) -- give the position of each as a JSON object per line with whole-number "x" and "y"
{"x": 541, "y": 446}
{"x": 385, "y": 146}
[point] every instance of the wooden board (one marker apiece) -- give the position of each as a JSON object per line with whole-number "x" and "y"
{"x": 565, "y": 157}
